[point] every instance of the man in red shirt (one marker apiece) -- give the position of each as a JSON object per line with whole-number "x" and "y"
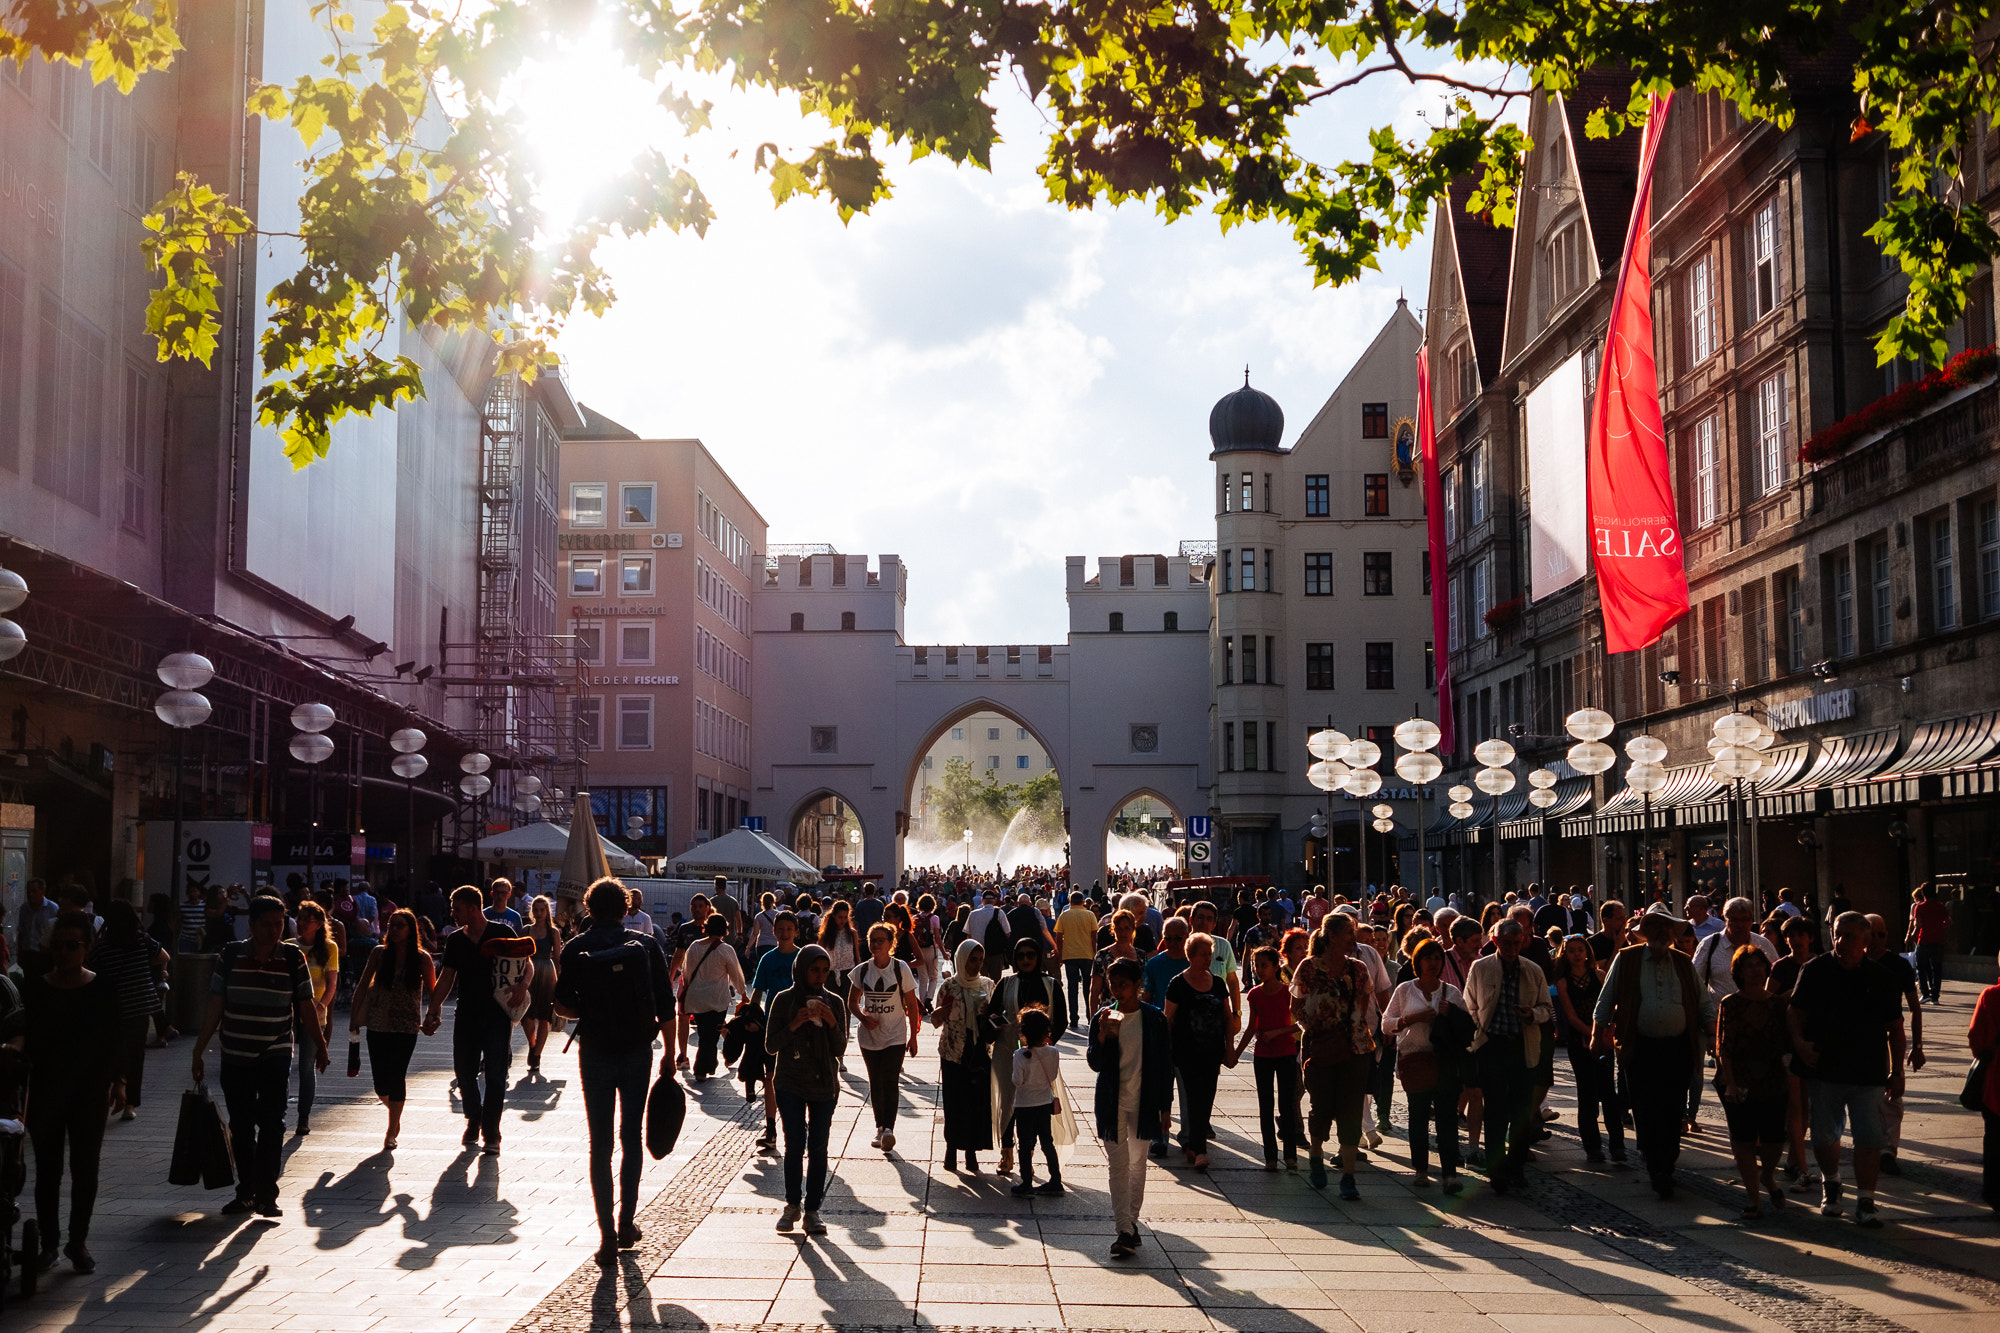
{"x": 1930, "y": 930}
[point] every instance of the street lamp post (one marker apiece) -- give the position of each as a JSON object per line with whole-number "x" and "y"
{"x": 968, "y": 849}
{"x": 1331, "y": 774}
{"x": 1590, "y": 756}
{"x": 1417, "y": 737}
{"x": 475, "y": 784}
{"x": 311, "y": 747}
{"x": 1645, "y": 776}
{"x": 181, "y": 707}
{"x": 13, "y": 592}
{"x": 1496, "y": 780}
{"x": 409, "y": 766}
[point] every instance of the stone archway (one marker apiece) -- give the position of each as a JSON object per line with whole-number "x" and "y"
{"x": 827, "y": 829}
{"x": 1127, "y": 847}
{"x": 1011, "y": 753}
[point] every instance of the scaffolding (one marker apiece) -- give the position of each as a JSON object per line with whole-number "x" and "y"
{"x": 520, "y": 683}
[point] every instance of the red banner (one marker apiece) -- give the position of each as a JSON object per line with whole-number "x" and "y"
{"x": 1635, "y": 530}
{"x": 1434, "y": 521}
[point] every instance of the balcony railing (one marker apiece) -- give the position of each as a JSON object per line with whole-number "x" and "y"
{"x": 1947, "y": 437}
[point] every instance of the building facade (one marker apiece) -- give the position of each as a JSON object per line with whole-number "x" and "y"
{"x": 1842, "y": 549}
{"x": 658, "y": 549}
{"x": 1321, "y": 601}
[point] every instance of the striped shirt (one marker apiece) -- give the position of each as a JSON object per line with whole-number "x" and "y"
{"x": 259, "y": 1000}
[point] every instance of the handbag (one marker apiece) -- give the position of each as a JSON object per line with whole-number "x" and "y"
{"x": 1418, "y": 1071}
{"x": 201, "y": 1144}
{"x": 1973, "y": 1095}
{"x": 666, "y": 1111}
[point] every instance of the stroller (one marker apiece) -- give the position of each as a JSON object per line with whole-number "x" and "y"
{"x": 14, "y": 1151}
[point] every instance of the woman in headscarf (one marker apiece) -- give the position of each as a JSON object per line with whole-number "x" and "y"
{"x": 805, "y": 1034}
{"x": 1029, "y": 986}
{"x": 965, "y": 1057}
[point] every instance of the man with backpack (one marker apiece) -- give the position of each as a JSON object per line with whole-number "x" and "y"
{"x": 615, "y": 983}
{"x": 989, "y": 925}
{"x": 482, "y": 1031}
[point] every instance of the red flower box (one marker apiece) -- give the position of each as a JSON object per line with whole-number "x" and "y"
{"x": 1965, "y": 369}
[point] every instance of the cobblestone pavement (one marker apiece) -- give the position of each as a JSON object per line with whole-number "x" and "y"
{"x": 436, "y": 1238}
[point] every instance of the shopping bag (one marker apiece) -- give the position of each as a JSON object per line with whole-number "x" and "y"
{"x": 202, "y": 1153}
{"x": 666, "y": 1108}
{"x": 1064, "y": 1127}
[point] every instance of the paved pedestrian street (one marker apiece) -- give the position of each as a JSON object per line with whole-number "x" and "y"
{"x": 438, "y": 1239}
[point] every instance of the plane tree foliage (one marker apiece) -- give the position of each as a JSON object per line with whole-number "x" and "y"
{"x": 419, "y": 200}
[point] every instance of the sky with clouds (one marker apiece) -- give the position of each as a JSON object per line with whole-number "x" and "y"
{"x": 970, "y": 377}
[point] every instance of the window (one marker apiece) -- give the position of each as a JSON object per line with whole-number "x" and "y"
{"x": 69, "y": 406}
{"x": 635, "y": 575}
{"x": 958, "y": 733}
{"x": 635, "y": 505}
{"x": 1427, "y": 572}
{"x": 138, "y": 429}
{"x": 1793, "y": 598}
{"x": 798, "y": 621}
{"x": 1319, "y": 666}
{"x": 992, "y": 763}
{"x": 635, "y": 644}
{"x": 1020, "y": 761}
{"x": 1172, "y": 622}
{"x": 1117, "y": 622}
{"x": 1881, "y": 614}
{"x": 927, "y": 761}
{"x": 588, "y": 717}
{"x": 847, "y": 620}
{"x": 1707, "y": 473}
{"x": 993, "y": 733}
{"x": 1249, "y": 659}
{"x": 1454, "y": 636}
{"x": 1249, "y": 582}
{"x": 1229, "y": 747}
{"x": 1270, "y": 660}
{"x": 1701, "y": 307}
{"x": 1989, "y": 559}
{"x": 1020, "y": 733}
{"x": 1842, "y": 584}
{"x": 1757, "y": 640}
{"x": 1944, "y": 586}
{"x": 1565, "y": 252}
{"x": 1267, "y": 492}
{"x": 586, "y": 576}
{"x": 589, "y": 644}
{"x": 13, "y": 338}
{"x": 1462, "y": 373}
{"x": 1250, "y": 747}
{"x": 586, "y": 504}
{"x": 1316, "y": 495}
{"x": 1375, "y": 494}
{"x": 1481, "y": 599}
{"x": 1773, "y": 417}
{"x": 1450, "y": 489}
{"x": 635, "y": 721}
{"x": 1381, "y": 660}
{"x": 1224, "y": 506}
{"x": 1765, "y": 284}
{"x": 1475, "y": 480}
{"x": 1375, "y": 574}
{"x": 1319, "y": 573}
{"x": 1229, "y": 659}
{"x": 1270, "y": 581}
{"x": 1228, "y": 573}
{"x": 1430, "y": 665}
{"x": 1374, "y": 421}
{"x": 1244, "y": 500}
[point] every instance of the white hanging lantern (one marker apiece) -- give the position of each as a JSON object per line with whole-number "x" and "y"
{"x": 312, "y": 717}
{"x": 1460, "y": 809}
{"x": 13, "y": 640}
{"x": 1383, "y": 810}
{"x": 1542, "y": 798}
{"x": 1542, "y": 778}
{"x": 1364, "y": 782}
{"x": 1646, "y": 750}
{"x": 475, "y": 785}
{"x": 407, "y": 741}
{"x": 1494, "y": 781}
{"x": 527, "y": 784}
{"x": 181, "y": 709}
{"x": 1385, "y": 826}
{"x": 1590, "y": 757}
{"x": 1736, "y": 762}
{"x": 1328, "y": 775}
{"x": 1418, "y": 734}
{"x": 14, "y": 591}
{"x": 1460, "y": 794}
{"x": 1494, "y": 753}
{"x": 410, "y": 766}
{"x": 474, "y": 763}
{"x": 1364, "y": 754}
{"x": 184, "y": 671}
{"x": 1419, "y": 766}
{"x": 1328, "y": 744}
{"x": 1589, "y": 724}
{"x": 1735, "y": 729}
{"x": 309, "y": 747}
{"x": 1645, "y": 778}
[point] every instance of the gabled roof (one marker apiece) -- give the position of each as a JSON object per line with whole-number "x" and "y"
{"x": 597, "y": 426}
{"x": 1482, "y": 250}
{"x": 1607, "y": 169}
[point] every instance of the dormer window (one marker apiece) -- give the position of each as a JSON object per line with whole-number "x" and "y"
{"x": 1565, "y": 251}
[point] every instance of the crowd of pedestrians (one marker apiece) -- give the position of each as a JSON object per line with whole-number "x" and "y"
{"x": 1344, "y": 1006}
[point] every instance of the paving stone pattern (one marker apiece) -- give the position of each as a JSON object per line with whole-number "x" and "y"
{"x": 435, "y": 1238}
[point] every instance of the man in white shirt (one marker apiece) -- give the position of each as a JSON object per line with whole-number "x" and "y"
{"x": 1705, "y": 922}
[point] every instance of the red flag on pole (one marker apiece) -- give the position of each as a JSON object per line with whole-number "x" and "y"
{"x": 1635, "y": 530}
{"x": 1434, "y": 521}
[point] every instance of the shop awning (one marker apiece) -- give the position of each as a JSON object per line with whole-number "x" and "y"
{"x": 1777, "y": 795}
{"x": 1847, "y": 760}
{"x": 1572, "y": 794}
{"x": 1947, "y": 745}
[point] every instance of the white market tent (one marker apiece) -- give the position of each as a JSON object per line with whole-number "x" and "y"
{"x": 743, "y": 854}
{"x": 540, "y": 846}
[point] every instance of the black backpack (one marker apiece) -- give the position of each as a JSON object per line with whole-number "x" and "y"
{"x": 925, "y": 939}
{"x": 997, "y": 936}
{"x": 614, "y": 989}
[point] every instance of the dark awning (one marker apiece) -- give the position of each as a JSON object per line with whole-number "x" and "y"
{"x": 1776, "y": 795}
{"x": 1572, "y": 794}
{"x": 1942, "y": 746}
{"x": 1847, "y": 760}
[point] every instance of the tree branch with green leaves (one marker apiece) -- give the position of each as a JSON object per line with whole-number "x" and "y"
{"x": 419, "y": 203}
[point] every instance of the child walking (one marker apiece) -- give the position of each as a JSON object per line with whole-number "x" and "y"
{"x": 1277, "y": 1058}
{"x": 1036, "y": 1065}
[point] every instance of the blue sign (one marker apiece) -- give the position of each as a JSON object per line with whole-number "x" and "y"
{"x": 753, "y": 822}
{"x": 1200, "y": 826}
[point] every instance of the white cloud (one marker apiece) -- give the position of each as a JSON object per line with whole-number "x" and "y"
{"x": 970, "y": 377}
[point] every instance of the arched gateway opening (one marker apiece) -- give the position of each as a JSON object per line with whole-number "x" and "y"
{"x": 827, "y": 832}
{"x": 1144, "y": 837}
{"x": 986, "y": 794}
